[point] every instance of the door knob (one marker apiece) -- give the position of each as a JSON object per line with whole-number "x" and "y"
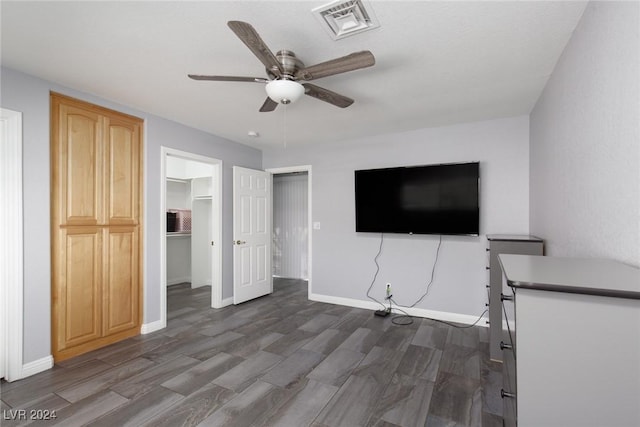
{"x": 504, "y": 394}
{"x": 504, "y": 297}
{"x": 505, "y": 346}
{"x": 239, "y": 242}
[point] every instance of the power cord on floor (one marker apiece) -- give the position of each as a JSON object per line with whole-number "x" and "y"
{"x": 406, "y": 319}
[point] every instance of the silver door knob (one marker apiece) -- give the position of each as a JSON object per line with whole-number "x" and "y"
{"x": 504, "y": 394}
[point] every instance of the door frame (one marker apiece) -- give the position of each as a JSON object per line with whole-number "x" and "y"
{"x": 216, "y": 193}
{"x": 11, "y": 247}
{"x": 303, "y": 168}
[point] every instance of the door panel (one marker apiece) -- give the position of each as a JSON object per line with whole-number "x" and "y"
{"x": 261, "y": 215}
{"x": 123, "y": 173}
{"x": 121, "y": 280}
{"x": 80, "y": 166}
{"x": 261, "y": 262}
{"x": 245, "y": 216}
{"x": 245, "y": 263}
{"x": 80, "y": 291}
{"x": 252, "y": 234}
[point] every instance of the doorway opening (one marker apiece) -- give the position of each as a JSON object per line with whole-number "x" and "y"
{"x": 292, "y": 226}
{"x": 191, "y": 225}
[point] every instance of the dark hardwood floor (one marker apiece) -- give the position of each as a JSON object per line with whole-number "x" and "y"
{"x": 280, "y": 360}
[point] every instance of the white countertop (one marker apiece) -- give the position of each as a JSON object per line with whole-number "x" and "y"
{"x": 573, "y": 275}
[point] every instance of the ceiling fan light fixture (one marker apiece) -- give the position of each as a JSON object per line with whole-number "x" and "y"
{"x": 284, "y": 91}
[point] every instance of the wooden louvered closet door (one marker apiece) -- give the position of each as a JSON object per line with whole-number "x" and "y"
{"x": 95, "y": 226}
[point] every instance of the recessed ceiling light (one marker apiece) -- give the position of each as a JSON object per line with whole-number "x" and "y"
{"x": 253, "y": 133}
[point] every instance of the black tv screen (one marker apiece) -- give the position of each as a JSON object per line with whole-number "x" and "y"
{"x": 430, "y": 199}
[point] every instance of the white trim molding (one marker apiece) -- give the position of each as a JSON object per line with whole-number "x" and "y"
{"x": 179, "y": 280}
{"x": 148, "y": 328}
{"x": 37, "y": 366}
{"x": 12, "y": 244}
{"x": 415, "y": 312}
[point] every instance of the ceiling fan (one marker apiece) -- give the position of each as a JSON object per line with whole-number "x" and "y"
{"x": 285, "y": 71}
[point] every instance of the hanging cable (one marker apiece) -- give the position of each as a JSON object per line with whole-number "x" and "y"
{"x": 407, "y": 319}
{"x": 433, "y": 270}
{"x": 375, "y": 276}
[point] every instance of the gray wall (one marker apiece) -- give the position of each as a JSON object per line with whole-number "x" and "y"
{"x": 343, "y": 265}
{"x": 30, "y": 96}
{"x": 585, "y": 141}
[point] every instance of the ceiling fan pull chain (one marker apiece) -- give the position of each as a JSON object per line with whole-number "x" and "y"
{"x": 284, "y": 125}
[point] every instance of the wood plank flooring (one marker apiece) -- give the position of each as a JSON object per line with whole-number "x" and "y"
{"x": 280, "y": 360}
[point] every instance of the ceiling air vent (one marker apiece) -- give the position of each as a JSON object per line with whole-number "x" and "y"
{"x": 346, "y": 18}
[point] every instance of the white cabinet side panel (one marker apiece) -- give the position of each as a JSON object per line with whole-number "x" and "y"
{"x": 577, "y": 360}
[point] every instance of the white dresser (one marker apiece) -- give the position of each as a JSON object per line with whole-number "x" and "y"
{"x": 571, "y": 342}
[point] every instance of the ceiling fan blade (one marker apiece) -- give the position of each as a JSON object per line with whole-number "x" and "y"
{"x": 327, "y": 96}
{"x": 269, "y": 105}
{"x": 251, "y": 38}
{"x": 228, "y": 78}
{"x": 351, "y": 62}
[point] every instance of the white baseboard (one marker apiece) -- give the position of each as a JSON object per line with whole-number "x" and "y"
{"x": 416, "y": 312}
{"x": 36, "y": 366}
{"x": 199, "y": 285}
{"x": 177, "y": 280}
{"x": 367, "y": 305}
{"x": 226, "y": 302}
{"x": 147, "y": 328}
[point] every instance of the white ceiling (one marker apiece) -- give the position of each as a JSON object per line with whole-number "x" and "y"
{"x": 437, "y": 63}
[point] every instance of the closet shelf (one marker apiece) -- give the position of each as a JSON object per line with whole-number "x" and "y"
{"x": 181, "y": 181}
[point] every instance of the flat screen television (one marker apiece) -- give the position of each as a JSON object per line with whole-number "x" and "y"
{"x": 429, "y": 199}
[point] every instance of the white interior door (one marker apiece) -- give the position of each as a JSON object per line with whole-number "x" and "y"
{"x": 252, "y": 205}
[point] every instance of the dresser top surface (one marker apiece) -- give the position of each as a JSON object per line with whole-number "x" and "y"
{"x": 574, "y": 275}
{"x": 513, "y": 237}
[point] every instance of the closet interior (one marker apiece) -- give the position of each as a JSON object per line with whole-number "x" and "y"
{"x": 189, "y": 222}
